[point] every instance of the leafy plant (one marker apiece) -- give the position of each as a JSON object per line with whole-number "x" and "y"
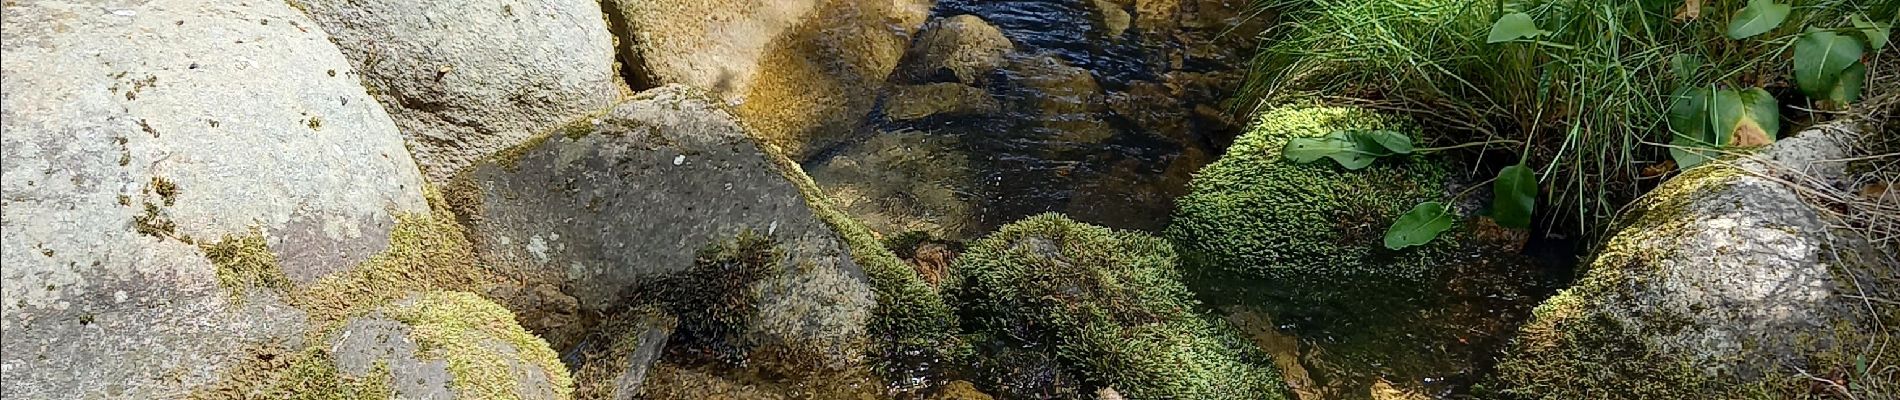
{"x": 1514, "y": 196}
{"x": 1515, "y": 189}
{"x": 1759, "y": 17}
{"x": 1419, "y": 226}
{"x": 1513, "y": 26}
{"x": 1351, "y": 149}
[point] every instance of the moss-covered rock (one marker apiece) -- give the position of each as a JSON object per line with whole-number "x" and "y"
{"x": 1110, "y": 307}
{"x": 1308, "y": 232}
{"x": 1721, "y": 283}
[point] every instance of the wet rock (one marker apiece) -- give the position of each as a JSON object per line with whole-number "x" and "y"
{"x": 1722, "y": 282}
{"x": 1068, "y": 102}
{"x": 961, "y": 48}
{"x": 1114, "y": 19}
{"x": 899, "y": 182}
{"x": 634, "y": 196}
{"x": 466, "y": 79}
{"x": 960, "y": 390}
{"x": 1109, "y": 306}
{"x": 803, "y": 73}
{"x": 913, "y": 102}
{"x": 139, "y": 136}
{"x": 448, "y": 345}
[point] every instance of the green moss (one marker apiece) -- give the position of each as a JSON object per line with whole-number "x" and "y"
{"x": 165, "y": 189}
{"x": 246, "y": 262}
{"x": 426, "y": 252}
{"x": 154, "y": 223}
{"x": 914, "y": 326}
{"x": 1307, "y": 232}
{"x": 713, "y": 299}
{"x": 455, "y": 326}
{"x": 1112, "y": 308}
{"x": 273, "y": 372}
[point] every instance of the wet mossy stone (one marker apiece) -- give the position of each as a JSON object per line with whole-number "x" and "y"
{"x": 1720, "y": 283}
{"x": 1258, "y": 226}
{"x": 1110, "y": 307}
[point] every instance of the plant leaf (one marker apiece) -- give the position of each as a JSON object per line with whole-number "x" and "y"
{"x": 1685, "y": 66}
{"x": 1876, "y": 33}
{"x": 1513, "y": 26}
{"x": 1760, "y": 120}
{"x": 1819, "y": 58}
{"x": 1688, "y": 152}
{"x": 1760, "y": 16}
{"x": 1419, "y": 226}
{"x": 1513, "y": 196}
{"x": 1688, "y": 112}
{"x": 1305, "y": 150}
{"x": 1391, "y": 141}
{"x": 1725, "y": 113}
{"x": 1848, "y": 86}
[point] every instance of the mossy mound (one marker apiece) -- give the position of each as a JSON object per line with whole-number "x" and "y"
{"x": 1307, "y": 232}
{"x": 1111, "y": 308}
{"x": 488, "y": 354}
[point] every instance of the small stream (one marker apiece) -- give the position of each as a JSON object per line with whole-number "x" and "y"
{"x": 1101, "y": 125}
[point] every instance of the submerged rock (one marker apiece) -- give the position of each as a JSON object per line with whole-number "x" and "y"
{"x": 466, "y": 79}
{"x": 913, "y": 102}
{"x": 898, "y": 182}
{"x": 803, "y": 73}
{"x": 961, "y": 48}
{"x": 1109, "y": 307}
{"x": 142, "y": 143}
{"x": 1723, "y": 282}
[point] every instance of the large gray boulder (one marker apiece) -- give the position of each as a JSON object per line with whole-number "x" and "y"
{"x": 136, "y": 133}
{"x": 467, "y": 78}
{"x": 1724, "y": 283}
{"x": 637, "y": 194}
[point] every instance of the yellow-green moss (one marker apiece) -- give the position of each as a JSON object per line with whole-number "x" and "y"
{"x": 273, "y": 372}
{"x": 244, "y": 262}
{"x": 454, "y": 326}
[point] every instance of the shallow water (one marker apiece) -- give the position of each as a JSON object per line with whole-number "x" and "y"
{"x": 1105, "y": 128}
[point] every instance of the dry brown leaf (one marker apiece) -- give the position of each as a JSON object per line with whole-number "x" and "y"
{"x": 1691, "y": 9}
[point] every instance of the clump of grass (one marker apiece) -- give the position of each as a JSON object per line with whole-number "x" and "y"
{"x": 1588, "y": 98}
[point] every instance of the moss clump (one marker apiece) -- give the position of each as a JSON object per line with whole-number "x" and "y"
{"x": 273, "y": 372}
{"x": 426, "y": 252}
{"x": 246, "y": 262}
{"x": 713, "y": 299}
{"x": 1111, "y": 307}
{"x": 1306, "y": 232}
{"x": 913, "y": 325}
{"x": 454, "y": 326}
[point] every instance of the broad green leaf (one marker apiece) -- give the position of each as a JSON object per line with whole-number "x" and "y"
{"x": 1819, "y": 58}
{"x": 1876, "y": 33}
{"x": 1685, "y": 66}
{"x": 1339, "y": 146}
{"x": 1419, "y": 226}
{"x": 1725, "y": 112}
{"x": 1689, "y": 152}
{"x": 1306, "y": 150}
{"x": 1391, "y": 141}
{"x": 1847, "y": 88}
{"x": 1688, "y": 112}
{"x": 1760, "y": 16}
{"x": 1513, "y": 196}
{"x": 1513, "y": 26}
{"x": 1760, "y": 122}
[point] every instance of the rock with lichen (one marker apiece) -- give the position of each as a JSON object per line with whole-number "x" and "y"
{"x": 465, "y": 79}
{"x": 448, "y": 345}
{"x": 155, "y": 153}
{"x": 1723, "y": 282}
{"x": 617, "y": 208}
{"x": 802, "y": 73}
{"x": 1109, "y": 307}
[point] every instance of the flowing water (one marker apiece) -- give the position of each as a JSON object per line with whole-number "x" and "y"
{"x": 1103, "y": 125}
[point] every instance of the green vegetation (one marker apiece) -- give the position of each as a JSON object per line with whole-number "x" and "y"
{"x": 1307, "y": 231}
{"x": 713, "y": 300}
{"x": 244, "y": 263}
{"x": 1585, "y": 85}
{"x": 1111, "y": 307}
